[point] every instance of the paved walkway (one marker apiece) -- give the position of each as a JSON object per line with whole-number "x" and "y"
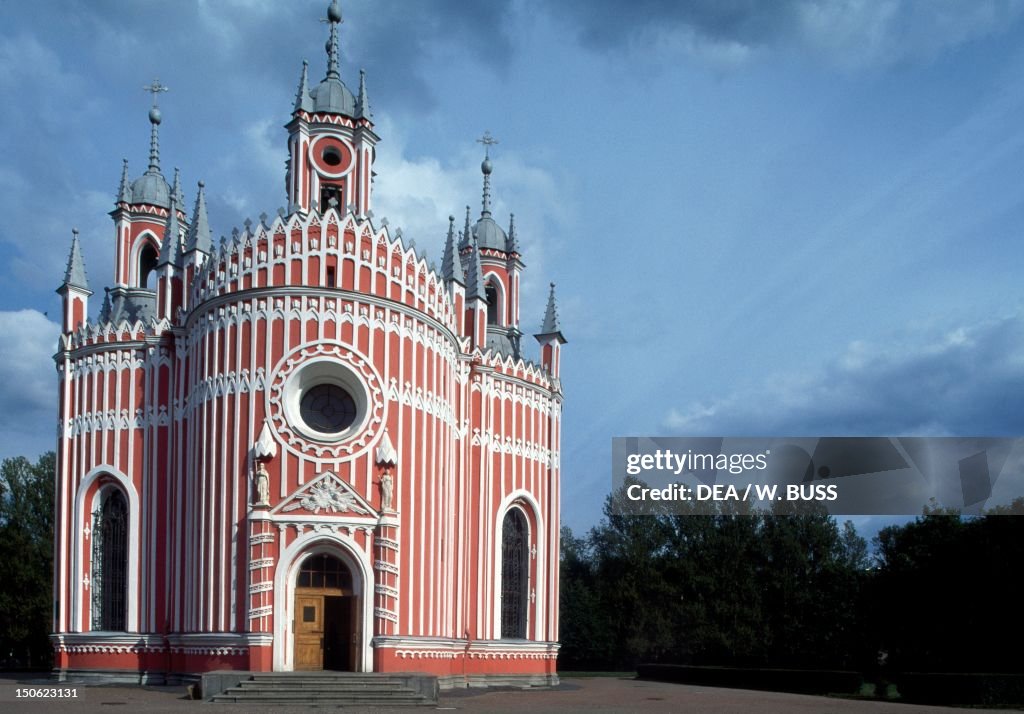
{"x": 598, "y": 694}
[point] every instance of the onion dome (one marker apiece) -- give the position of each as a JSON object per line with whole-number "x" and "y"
{"x": 487, "y": 232}
{"x": 152, "y": 187}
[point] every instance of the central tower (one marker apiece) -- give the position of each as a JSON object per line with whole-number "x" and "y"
{"x": 331, "y": 143}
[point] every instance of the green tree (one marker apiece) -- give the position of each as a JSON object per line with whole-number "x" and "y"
{"x": 946, "y": 596}
{"x": 26, "y": 550}
{"x": 583, "y": 626}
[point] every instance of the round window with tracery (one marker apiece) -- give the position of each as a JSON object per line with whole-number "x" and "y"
{"x": 328, "y": 408}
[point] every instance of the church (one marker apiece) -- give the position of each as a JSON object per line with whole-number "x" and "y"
{"x": 304, "y": 447}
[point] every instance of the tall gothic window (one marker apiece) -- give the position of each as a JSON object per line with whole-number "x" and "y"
{"x": 515, "y": 568}
{"x": 110, "y": 563}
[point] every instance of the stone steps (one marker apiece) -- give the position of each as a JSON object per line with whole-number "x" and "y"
{"x": 333, "y": 688}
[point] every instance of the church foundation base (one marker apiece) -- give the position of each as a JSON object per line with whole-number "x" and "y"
{"x": 470, "y": 663}
{"x": 482, "y": 681}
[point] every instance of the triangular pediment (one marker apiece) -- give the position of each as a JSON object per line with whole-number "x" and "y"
{"x": 327, "y": 494}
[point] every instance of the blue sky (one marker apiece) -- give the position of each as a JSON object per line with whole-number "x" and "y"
{"x": 789, "y": 218}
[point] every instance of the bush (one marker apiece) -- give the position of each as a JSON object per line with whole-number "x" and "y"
{"x": 802, "y": 681}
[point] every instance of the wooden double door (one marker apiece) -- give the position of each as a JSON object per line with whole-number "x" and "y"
{"x": 327, "y": 621}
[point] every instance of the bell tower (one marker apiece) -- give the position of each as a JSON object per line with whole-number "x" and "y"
{"x": 331, "y": 143}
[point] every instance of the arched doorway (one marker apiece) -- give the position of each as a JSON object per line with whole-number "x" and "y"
{"x": 327, "y": 616}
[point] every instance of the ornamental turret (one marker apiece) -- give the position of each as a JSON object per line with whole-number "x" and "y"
{"x": 550, "y": 337}
{"x": 500, "y": 265}
{"x": 74, "y": 291}
{"x": 331, "y": 143}
{"x": 142, "y": 213}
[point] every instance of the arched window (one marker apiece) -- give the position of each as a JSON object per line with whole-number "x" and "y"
{"x": 109, "y": 579}
{"x": 491, "y": 293}
{"x": 515, "y": 569}
{"x": 147, "y": 262}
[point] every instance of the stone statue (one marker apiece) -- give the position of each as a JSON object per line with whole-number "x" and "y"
{"x": 387, "y": 492}
{"x": 262, "y": 485}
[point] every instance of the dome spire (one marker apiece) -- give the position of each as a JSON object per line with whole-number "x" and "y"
{"x": 331, "y": 95}
{"x": 334, "y": 18}
{"x": 486, "y": 167}
{"x": 154, "y": 119}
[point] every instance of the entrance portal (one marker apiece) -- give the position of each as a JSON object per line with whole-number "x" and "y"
{"x": 327, "y": 619}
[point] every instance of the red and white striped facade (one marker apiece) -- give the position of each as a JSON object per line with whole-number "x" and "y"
{"x": 166, "y": 403}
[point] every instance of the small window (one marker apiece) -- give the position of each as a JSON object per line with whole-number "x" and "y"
{"x": 331, "y": 281}
{"x": 309, "y": 613}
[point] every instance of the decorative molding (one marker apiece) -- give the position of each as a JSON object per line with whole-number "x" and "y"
{"x": 383, "y": 614}
{"x": 386, "y": 543}
{"x": 385, "y": 590}
{"x": 385, "y": 567}
{"x": 327, "y": 492}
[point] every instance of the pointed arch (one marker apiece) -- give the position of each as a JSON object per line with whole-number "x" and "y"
{"x": 109, "y": 563}
{"x": 143, "y": 258}
{"x": 494, "y": 290}
{"x": 92, "y": 492}
{"x": 519, "y": 510}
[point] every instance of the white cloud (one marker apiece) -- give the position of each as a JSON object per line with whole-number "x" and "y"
{"x": 418, "y": 195}
{"x": 964, "y": 380}
{"x": 28, "y": 382}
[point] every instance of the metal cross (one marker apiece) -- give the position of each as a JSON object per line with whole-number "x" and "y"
{"x": 155, "y": 88}
{"x": 488, "y": 141}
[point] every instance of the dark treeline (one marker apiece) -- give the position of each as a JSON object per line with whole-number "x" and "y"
{"x": 26, "y": 556}
{"x": 716, "y": 587}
